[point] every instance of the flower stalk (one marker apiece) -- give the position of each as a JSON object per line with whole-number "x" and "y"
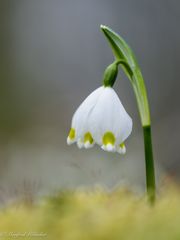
{"x": 126, "y": 59}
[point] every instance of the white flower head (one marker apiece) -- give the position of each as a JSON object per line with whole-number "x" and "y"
{"x": 101, "y": 119}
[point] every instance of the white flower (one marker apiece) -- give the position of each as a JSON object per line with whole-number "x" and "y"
{"x": 101, "y": 119}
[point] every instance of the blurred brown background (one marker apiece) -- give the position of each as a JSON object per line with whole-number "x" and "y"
{"x": 52, "y": 55}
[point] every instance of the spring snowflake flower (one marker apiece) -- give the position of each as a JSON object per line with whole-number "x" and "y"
{"x": 101, "y": 119}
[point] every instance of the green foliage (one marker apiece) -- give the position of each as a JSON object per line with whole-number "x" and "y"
{"x": 97, "y": 214}
{"x": 128, "y": 62}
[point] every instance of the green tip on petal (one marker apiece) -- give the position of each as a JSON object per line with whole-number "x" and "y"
{"x": 72, "y": 134}
{"x": 88, "y": 138}
{"x": 122, "y": 145}
{"x": 108, "y": 138}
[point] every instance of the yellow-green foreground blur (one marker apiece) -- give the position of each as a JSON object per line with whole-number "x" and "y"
{"x": 91, "y": 215}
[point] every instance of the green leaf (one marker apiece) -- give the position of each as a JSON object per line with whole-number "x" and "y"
{"x": 129, "y": 64}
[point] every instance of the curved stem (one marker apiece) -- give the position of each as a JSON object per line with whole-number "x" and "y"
{"x": 125, "y": 57}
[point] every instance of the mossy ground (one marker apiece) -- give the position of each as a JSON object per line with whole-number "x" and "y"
{"x": 97, "y": 214}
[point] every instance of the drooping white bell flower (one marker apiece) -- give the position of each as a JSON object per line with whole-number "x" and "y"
{"x": 101, "y": 119}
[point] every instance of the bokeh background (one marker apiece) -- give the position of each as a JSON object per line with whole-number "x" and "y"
{"x": 52, "y": 56}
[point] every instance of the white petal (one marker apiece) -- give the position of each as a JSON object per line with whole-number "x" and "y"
{"x": 109, "y": 115}
{"x": 70, "y": 141}
{"x": 80, "y": 143}
{"x": 108, "y": 147}
{"x": 121, "y": 150}
{"x": 79, "y": 121}
{"x": 88, "y": 145}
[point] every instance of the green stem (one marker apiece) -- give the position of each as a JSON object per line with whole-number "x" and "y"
{"x": 150, "y": 176}
{"x": 126, "y": 58}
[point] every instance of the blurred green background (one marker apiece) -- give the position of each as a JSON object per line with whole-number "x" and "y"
{"x": 52, "y": 56}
